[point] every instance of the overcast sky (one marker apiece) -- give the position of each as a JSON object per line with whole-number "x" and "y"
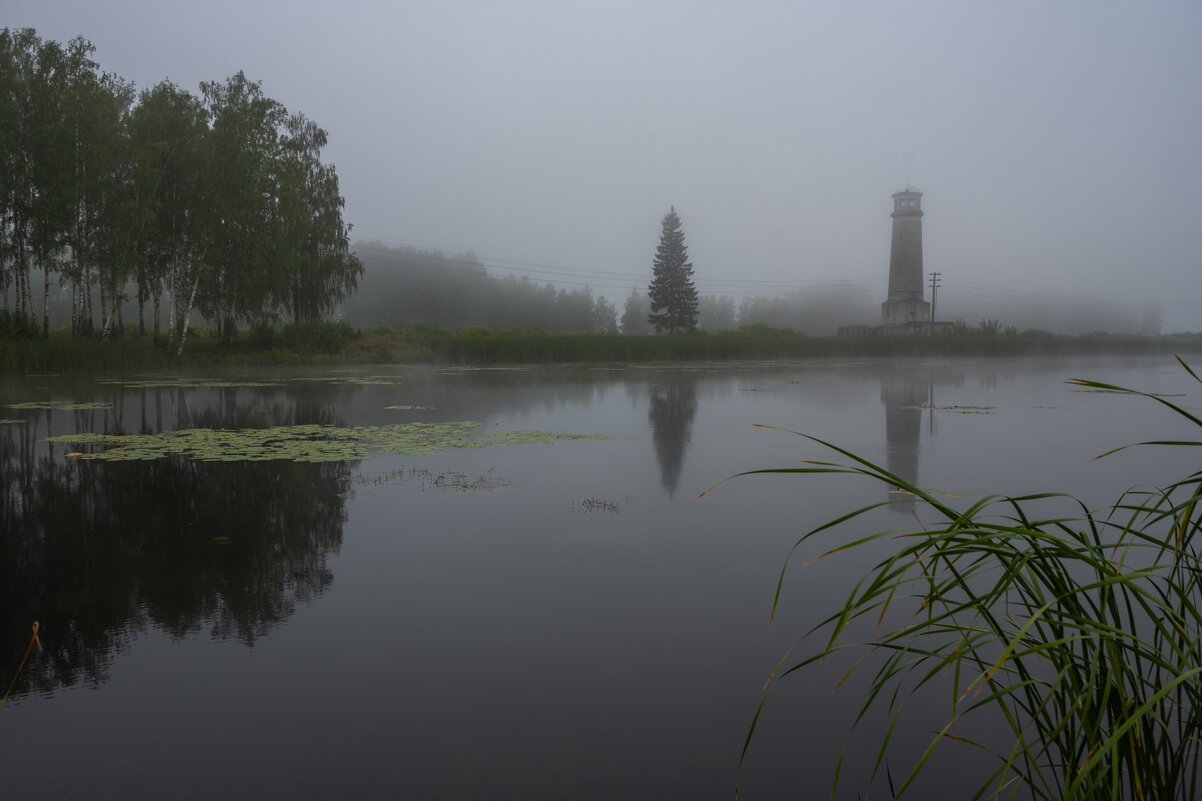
{"x": 1059, "y": 145}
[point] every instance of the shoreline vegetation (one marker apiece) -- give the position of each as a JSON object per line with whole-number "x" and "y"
{"x": 338, "y": 343}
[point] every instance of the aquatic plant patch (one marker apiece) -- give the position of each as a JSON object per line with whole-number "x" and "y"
{"x": 485, "y": 368}
{"x": 187, "y": 383}
{"x": 429, "y": 479}
{"x": 10, "y": 421}
{"x": 596, "y": 505}
{"x": 301, "y": 443}
{"x": 359, "y": 380}
{"x": 895, "y": 490}
{"x": 1146, "y": 394}
{"x": 953, "y": 409}
{"x": 60, "y": 406}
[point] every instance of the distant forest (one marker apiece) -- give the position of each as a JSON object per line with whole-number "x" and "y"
{"x": 402, "y": 286}
{"x": 218, "y": 202}
{"x": 405, "y": 285}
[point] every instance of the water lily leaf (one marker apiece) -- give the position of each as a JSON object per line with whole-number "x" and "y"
{"x": 187, "y": 383}
{"x": 302, "y": 443}
{"x": 952, "y": 409}
{"x": 65, "y": 406}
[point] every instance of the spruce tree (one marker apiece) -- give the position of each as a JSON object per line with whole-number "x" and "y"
{"x": 672, "y": 294}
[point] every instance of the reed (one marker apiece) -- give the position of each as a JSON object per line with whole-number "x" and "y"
{"x": 1078, "y": 634}
{"x": 33, "y": 640}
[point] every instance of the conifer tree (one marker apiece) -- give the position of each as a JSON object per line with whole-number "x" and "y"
{"x": 672, "y": 293}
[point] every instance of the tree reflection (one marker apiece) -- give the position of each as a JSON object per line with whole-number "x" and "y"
{"x": 97, "y": 552}
{"x": 671, "y": 409}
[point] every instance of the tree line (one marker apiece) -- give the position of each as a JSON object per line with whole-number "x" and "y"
{"x": 217, "y": 202}
{"x": 405, "y": 285}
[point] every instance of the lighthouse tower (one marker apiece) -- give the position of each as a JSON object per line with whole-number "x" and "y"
{"x": 906, "y": 304}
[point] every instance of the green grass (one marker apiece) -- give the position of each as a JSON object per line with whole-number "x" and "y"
{"x": 1078, "y": 635}
{"x": 330, "y": 343}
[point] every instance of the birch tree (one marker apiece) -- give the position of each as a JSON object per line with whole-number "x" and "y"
{"x": 321, "y": 268}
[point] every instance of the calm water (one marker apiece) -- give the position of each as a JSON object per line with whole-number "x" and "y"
{"x": 553, "y": 620}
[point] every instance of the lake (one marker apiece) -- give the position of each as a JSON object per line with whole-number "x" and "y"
{"x": 477, "y": 608}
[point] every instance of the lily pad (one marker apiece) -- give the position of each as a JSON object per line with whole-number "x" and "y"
{"x": 188, "y": 383}
{"x": 951, "y": 494}
{"x": 63, "y": 406}
{"x": 429, "y": 479}
{"x": 359, "y": 380}
{"x": 302, "y": 443}
{"x": 596, "y": 505}
{"x": 953, "y": 409}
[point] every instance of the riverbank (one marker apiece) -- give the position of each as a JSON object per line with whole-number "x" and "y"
{"x": 330, "y": 344}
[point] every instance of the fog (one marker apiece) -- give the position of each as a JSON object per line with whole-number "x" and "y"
{"x": 1056, "y": 144}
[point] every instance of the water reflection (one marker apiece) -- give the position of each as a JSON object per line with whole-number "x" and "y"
{"x": 904, "y": 393}
{"x": 100, "y": 551}
{"x": 671, "y": 408}
{"x": 431, "y": 585}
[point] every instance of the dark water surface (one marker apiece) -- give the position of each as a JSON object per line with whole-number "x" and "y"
{"x": 544, "y": 620}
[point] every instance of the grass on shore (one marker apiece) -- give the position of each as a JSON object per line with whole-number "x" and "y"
{"x": 328, "y": 343}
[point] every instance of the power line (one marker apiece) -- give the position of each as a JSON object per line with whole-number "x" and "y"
{"x": 1014, "y": 301}
{"x": 523, "y": 267}
{"x": 769, "y": 286}
{"x": 984, "y": 287}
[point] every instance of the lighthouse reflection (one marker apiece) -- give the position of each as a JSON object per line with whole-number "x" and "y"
{"x": 904, "y": 393}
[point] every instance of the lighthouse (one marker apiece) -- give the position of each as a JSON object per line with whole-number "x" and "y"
{"x": 905, "y": 304}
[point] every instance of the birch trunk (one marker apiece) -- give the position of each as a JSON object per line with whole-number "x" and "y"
{"x": 186, "y": 313}
{"x": 158, "y": 293}
{"x": 45, "y": 304}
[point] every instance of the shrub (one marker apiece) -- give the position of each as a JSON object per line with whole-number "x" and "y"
{"x": 317, "y": 336}
{"x": 18, "y": 326}
{"x": 760, "y": 329}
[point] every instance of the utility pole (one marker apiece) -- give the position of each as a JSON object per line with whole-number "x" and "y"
{"x": 935, "y": 277}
